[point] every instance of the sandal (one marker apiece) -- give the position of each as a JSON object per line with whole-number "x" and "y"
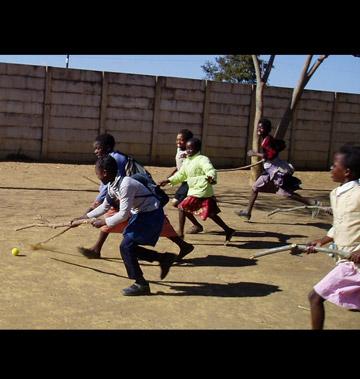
{"x": 243, "y": 214}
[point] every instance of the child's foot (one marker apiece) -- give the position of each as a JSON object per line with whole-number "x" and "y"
{"x": 181, "y": 235}
{"x": 195, "y": 229}
{"x": 184, "y": 251}
{"x": 166, "y": 262}
{"x": 243, "y": 214}
{"x": 89, "y": 253}
{"x": 228, "y": 235}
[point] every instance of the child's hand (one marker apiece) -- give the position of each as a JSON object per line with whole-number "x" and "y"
{"x": 251, "y": 153}
{"x": 98, "y": 223}
{"x": 312, "y": 245}
{"x": 355, "y": 256}
{"x": 211, "y": 180}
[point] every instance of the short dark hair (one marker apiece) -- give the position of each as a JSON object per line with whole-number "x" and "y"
{"x": 196, "y": 142}
{"x": 266, "y": 124}
{"x": 107, "y": 163}
{"x": 106, "y": 141}
{"x": 351, "y": 161}
{"x": 186, "y": 133}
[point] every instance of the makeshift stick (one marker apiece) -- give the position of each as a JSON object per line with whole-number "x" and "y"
{"x": 54, "y": 226}
{"x": 241, "y": 168}
{"x": 69, "y": 226}
{"x": 326, "y": 209}
{"x": 297, "y": 248}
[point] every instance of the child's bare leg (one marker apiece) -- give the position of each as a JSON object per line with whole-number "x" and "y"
{"x": 317, "y": 310}
{"x": 229, "y": 232}
{"x": 247, "y": 212}
{"x": 95, "y": 251}
{"x": 182, "y": 217}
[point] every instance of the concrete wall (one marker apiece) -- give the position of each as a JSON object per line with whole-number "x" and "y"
{"x": 56, "y": 113}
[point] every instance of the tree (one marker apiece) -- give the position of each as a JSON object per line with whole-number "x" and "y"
{"x": 305, "y": 76}
{"x": 261, "y": 80}
{"x": 233, "y": 69}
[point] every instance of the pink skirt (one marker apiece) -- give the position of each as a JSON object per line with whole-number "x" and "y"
{"x": 341, "y": 286}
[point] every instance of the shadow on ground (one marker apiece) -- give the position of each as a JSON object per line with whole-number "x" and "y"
{"x": 240, "y": 289}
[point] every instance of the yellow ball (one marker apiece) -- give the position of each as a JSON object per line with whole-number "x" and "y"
{"x": 15, "y": 251}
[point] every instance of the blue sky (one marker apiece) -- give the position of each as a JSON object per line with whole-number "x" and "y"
{"x": 338, "y": 73}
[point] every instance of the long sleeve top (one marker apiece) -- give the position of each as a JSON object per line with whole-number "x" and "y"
{"x": 345, "y": 204}
{"x": 195, "y": 171}
{"x": 133, "y": 198}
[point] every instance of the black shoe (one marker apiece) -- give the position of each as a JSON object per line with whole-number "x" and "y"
{"x": 166, "y": 262}
{"x": 183, "y": 252}
{"x": 243, "y": 214}
{"x": 137, "y": 290}
{"x": 228, "y": 235}
{"x": 88, "y": 253}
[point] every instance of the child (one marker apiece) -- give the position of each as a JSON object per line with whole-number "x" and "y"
{"x": 183, "y": 136}
{"x": 103, "y": 146}
{"x": 341, "y": 286}
{"x": 146, "y": 217}
{"x": 200, "y": 175}
{"x": 277, "y": 177}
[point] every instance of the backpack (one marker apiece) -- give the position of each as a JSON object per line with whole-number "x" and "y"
{"x": 155, "y": 190}
{"x": 134, "y": 167}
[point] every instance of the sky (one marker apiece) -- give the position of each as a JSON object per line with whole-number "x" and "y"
{"x": 338, "y": 73}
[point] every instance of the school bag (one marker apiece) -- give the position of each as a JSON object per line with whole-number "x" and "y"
{"x": 138, "y": 172}
{"x": 155, "y": 190}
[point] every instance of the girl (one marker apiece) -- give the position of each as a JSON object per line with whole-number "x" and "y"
{"x": 200, "y": 175}
{"x": 277, "y": 176}
{"x": 183, "y": 136}
{"x": 341, "y": 286}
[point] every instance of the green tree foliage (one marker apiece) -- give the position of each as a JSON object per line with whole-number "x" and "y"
{"x": 233, "y": 69}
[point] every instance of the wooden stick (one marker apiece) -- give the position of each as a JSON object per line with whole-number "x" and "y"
{"x": 60, "y": 225}
{"x": 241, "y": 168}
{"x": 294, "y": 247}
{"x": 326, "y": 209}
{"x": 69, "y": 226}
{"x": 273, "y": 250}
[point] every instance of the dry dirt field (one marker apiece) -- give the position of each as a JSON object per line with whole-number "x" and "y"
{"x": 218, "y": 287}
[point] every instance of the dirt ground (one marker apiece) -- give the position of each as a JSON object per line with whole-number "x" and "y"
{"x": 218, "y": 287}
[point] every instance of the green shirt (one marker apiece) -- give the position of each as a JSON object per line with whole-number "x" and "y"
{"x": 194, "y": 171}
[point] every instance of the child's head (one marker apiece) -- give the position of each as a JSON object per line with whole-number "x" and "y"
{"x": 104, "y": 144}
{"x": 264, "y": 127}
{"x": 182, "y": 137}
{"x": 346, "y": 166}
{"x": 193, "y": 146}
{"x": 106, "y": 169}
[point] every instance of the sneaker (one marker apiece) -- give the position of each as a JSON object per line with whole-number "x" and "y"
{"x": 243, "y": 214}
{"x": 166, "y": 262}
{"x": 89, "y": 253}
{"x": 137, "y": 290}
